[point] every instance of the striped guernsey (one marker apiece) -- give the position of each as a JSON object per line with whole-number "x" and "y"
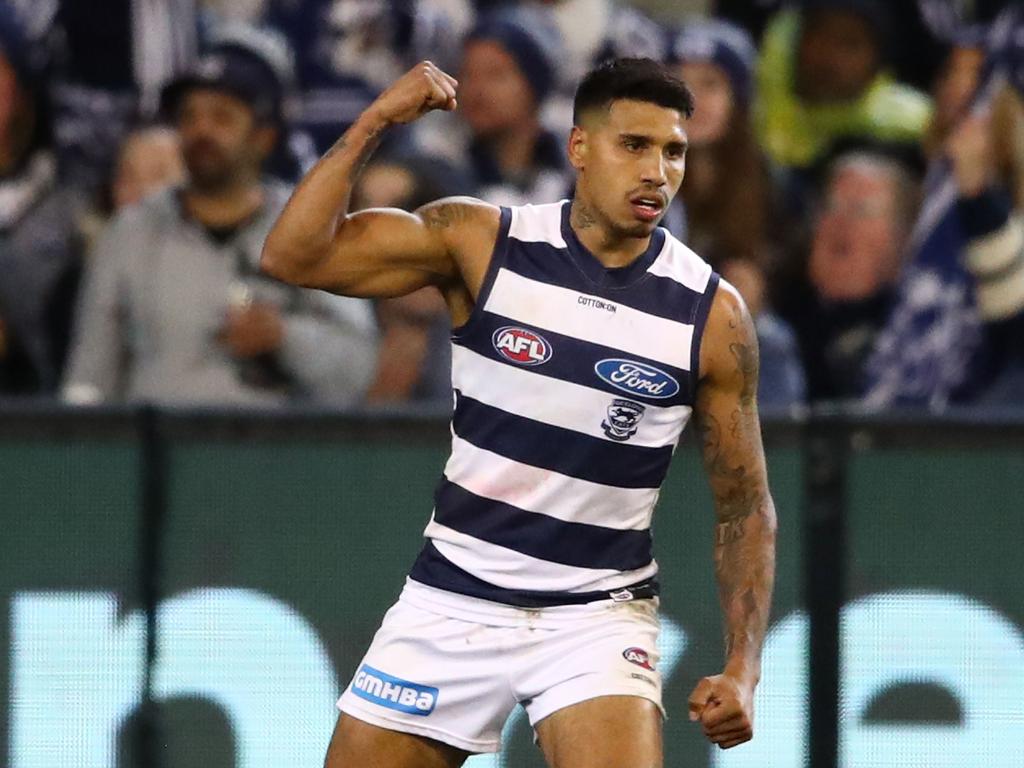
{"x": 572, "y": 385}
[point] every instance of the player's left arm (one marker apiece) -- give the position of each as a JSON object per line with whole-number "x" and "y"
{"x": 726, "y": 412}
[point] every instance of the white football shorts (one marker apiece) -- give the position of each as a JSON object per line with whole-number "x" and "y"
{"x": 452, "y": 668}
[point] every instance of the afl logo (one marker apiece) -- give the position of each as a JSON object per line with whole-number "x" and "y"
{"x": 639, "y": 657}
{"x": 521, "y": 346}
{"x": 637, "y": 378}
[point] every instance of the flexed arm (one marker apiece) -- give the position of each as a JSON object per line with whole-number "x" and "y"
{"x": 726, "y": 409}
{"x": 316, "y": 243}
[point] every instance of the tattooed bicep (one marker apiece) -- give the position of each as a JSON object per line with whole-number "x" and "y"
{"x": 730, "y": 359}
{"x": 726, "y": 413}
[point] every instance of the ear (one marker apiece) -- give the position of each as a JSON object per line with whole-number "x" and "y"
{"x": 578, "y": 147}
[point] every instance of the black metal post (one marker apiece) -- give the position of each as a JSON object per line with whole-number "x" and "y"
{"x": 153, "y": 502}
{"x": 826, "y": 453}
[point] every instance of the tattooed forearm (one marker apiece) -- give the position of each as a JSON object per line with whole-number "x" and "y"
{"x": 744, "y": 534}
{"x": 339, "y": 146}
{"x": 744, "y": 542}
{"x": 369, "y": 143}
{"x": 744, "y": 568}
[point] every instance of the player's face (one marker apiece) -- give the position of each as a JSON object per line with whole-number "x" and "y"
{"x": 220, "y": 140}
{"x": 630, "y": 162}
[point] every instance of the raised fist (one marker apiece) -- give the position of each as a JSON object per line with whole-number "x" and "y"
{"x": 423, "y": 88}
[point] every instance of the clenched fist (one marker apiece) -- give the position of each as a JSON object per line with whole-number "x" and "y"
{"x": 423, "y": 88}
{"x": 724, "y": 706}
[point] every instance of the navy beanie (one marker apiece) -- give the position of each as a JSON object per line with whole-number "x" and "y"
{"x": 720, "y": 43}
{"x": 529, "y": 35}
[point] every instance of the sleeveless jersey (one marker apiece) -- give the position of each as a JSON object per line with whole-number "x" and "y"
{"x": 572, "y": 384}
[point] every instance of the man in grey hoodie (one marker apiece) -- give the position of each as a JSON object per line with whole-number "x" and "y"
{"x": 174, "y": 308}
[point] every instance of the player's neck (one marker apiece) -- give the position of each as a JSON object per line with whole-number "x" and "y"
{"x": 610, "y": 248}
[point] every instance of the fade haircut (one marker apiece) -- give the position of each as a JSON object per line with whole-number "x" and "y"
{"x": 632, "y": 79}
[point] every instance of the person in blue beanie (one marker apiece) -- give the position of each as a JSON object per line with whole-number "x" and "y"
{"x": 728, "y": 198}
{"x": 508, "y": 70}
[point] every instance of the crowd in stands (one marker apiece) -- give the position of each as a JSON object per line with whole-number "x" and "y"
{"x": 855, "y": 168}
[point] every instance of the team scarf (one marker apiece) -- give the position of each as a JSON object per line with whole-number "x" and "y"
{"x": 932, "y": 349}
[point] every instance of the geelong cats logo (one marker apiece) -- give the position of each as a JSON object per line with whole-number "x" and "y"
{"x": 623, "y": 417}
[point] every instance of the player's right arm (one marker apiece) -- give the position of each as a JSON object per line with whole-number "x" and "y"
{"x": 317, "y": 243}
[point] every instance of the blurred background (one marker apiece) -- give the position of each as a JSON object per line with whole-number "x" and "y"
{"x": 212, "y": 484}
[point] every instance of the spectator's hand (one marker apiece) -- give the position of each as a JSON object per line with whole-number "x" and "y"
{"x": 423, "y": 88}
{"x": 252, "y": 330}
{"x": 970, "y": 149}
{"x": 724, "y": 706}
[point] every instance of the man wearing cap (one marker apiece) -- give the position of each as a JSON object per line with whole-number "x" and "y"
{"x": 174, "y": 309}
{"x": 39, "y": 254}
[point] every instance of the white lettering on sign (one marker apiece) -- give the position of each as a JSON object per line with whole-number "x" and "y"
{"x": 970, "y": 650}
{"x": 76, "y": 675}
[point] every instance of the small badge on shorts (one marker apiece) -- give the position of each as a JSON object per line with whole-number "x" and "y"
{"x": 639, "y": 657}
{"x": 380, "y": 688}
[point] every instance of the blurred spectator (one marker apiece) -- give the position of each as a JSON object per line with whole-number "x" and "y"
{"x": 752, "y": 16}
{"x": 414, "y": 362}
{"x": 508, "y": 69}
{"x": 957, "y": 331}
{"x": 150, "y": 160}
{"x": 245, "y": 11}
{"x": 822, "y": 76}
{"x": 595, "y": 30}
{"x": 39, "y": 253}
{"x": 175, "y": 309}
{"x": 727, "y": 190}
{"x": 350, "y": 50}
{"x": 856, "y": 253}
{"x": 114, "y": 59}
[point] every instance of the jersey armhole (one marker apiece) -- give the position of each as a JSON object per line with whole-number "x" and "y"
{"x": 700, "y": 320}
{"x": 497, "y": 259}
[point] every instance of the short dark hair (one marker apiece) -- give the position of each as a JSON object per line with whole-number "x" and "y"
{"x": 633, "y": 79}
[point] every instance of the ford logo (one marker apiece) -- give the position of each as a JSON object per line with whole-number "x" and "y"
{"x": 637, "y": 378}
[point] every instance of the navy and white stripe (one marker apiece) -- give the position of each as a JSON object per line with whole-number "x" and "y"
{"x": 543, "y": 502}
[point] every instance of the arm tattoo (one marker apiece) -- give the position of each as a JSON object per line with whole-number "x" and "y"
{"x": 364, "y": 154}
{"x": 744, "y": 544}
{"x": 443, "y": 215}
{"x": 339, "y": 146}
